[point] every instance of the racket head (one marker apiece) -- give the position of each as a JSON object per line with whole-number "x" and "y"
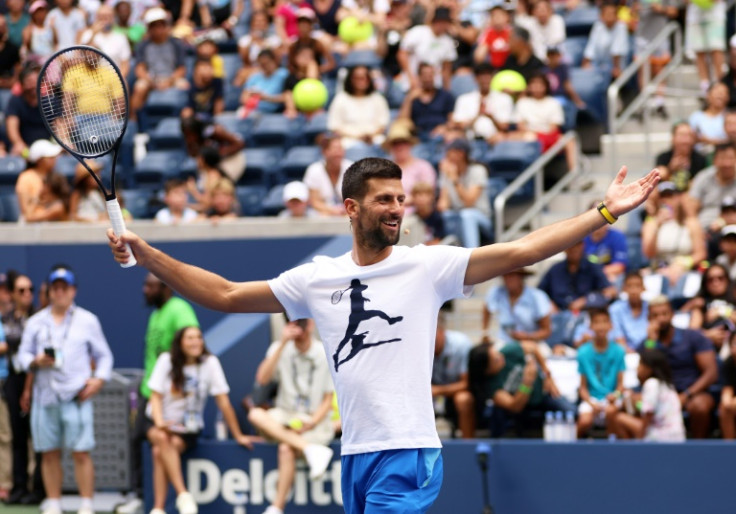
{"x": 83, "y": 101}
{"x": 336, "y": 297}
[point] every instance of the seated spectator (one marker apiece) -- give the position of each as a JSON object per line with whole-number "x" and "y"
{"x": 299, "y": 420}
{"x": 305, "y": 22}
{"x": 558, "y": 75}
{"x": 303, "y": 66}
{"x": 630, "y": 316}
{"x": 428, "y": 107}
{"x": 493, "y": 45}
{"x": 399, "y": 143}
{"x": 101, "y": 35}
{"x": 285, "y": 20}
{"x": 365, "y": 11}
{"x": 324, "y": 177}
{"x": 180, "y": 383}
{"x": 251, "y": 44}
{"x": 430, "y": 44}
{"x": 23, "y": 121}
{"x": 607, "y": 246}
{"x": 398, "y": 22}
{"x": 521, "y": 56}
{"x": 485, "y": 113}
{"x": 209, "y": 173}
{"x": 66, "y": 21}
{"x": 714, "y": 232}
{"x": 672, "y": 240}
{"x": 176, "y": 211}
{"x": 159, "y": 61}
{"x": 223, "y": 203}
{"x": 692, "y": 360}
{"x": 660, "y": 418}
{"x": 424, "y": 200}
{"x": 207, "y": 49}
{"x": 223, "y": 15}
{"x": 9, "y": 57}
{"x": 206, "y": 96}
{"x": 87, "y": 202}
{"x": 17, "y": 19}
{"x": 30, "y": 184}
{"x": 713, "y": 310}
{"x": 546, "y": 28}
{"x": 728, "y": 397}
{"x": 128, "y": 23}
{"x": 39, "y": 38}
{"x": 264, "y": 90}
{"x": 465, "y": 34}
{"x": 296, "y": 200}
{"x": 359, "y": 113}
{"x": 328, "y": 14}
{"x": 450, "y": 377}
{"x": 608, "y": 42}
{"x": 53, "y": 204}
{"x": 601, "y": 366}
{"x": 709, "y": 189}
{"x": 200, "y": 133}
{"x": 727, "y": 258}
{"x": 709, "y": 123}
{"x": 463, "y": 186}
{"x": 729, "y": 126}
{"x": 705, "y": 35}
{"x": 682, "y": 161}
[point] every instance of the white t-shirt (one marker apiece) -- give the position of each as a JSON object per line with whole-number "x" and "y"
{"x": 386, "y": 320}
{"x": 165, "y": 217}
{"x": 662, "y": 400}
{"x": 540, "y": 115}
{"x": 200, "y": 380}
{"x": 114, "y": 44}
{"x": 467, "y": 106}
{"x": 544, "y": 36}
{"x": 316, "y": 177}
{"x": 424, "y": 46}
{"x": 67, "y": 26}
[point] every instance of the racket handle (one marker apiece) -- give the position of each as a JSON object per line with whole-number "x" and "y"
{"x": 118, "y": 226}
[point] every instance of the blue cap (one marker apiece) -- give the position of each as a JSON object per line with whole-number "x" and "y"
{"x": 62, "y": 274}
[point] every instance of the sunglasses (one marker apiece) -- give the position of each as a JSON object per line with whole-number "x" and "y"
{"x": 713, "y": 278}
{"x": 23, "y": 290}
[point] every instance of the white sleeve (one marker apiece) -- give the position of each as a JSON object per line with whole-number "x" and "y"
{"x": 503, "y": 107}
{"x": 450, "y": 52}
{"x": 557, "y": 115}
{"x": 216, "y": 381}
{"x": 463, "y": 110}
{"x": 160, "y": 373}
{"x": 290, "y": 288}
{"x": 411, "y": 38}
{"x": 446, "y": 266}
{"x": 649, "y": 392}
{"x": 271, "y": 350}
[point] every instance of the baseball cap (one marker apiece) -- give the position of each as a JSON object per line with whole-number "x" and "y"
{"x": 728, "y": 230}
{"x": 305, "y": 13}
{"x": 460, "y": 144}
{"x": 62, "y": 274}
{"x": 595, "y": 301}
{"x": 38, "y": 4}
{"x": 667, "y": 187}
{"x": 442, "y": 14}
{"x": 43, "y": 148}
{"x": 155, "y": 14}
{"x": 728, "y": 202}
{"x": 296, "y": 191}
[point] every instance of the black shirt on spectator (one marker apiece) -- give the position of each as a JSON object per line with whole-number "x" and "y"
{"x": 202, "y": 99}
{"x": 528, "y": 69}
{"x": 32, "y": 127}
{"x": 427, "y": 117}
{"x": 682, "y": 178}
{"x": 729, "y": 372}
{"x": 9, "y": 58}
{"x": 434, "y": 226}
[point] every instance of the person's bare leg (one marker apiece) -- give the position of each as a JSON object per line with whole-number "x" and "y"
{"x": 701, "y": 63}
{"x": 629, "y": 426}
{"x": 571, "y": 154}
{"x": 287, "y": 469}
{"x": 717, "y": 59}
{"x": 728, "y": 423}
{"x": 261, "y": 420}
{"x": 160, "y": 482}
{"x": 84, "y": 472}
{"x": 170, "y": 446}
{"x": 585, "y": 423}
{"x": 52, "y": 473}
{"x": 700, "y": 407}
{"x": 465, "y": 406}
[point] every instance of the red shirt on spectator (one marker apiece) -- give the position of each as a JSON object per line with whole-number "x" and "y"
{"x": 287, "y": 11}
{"x": 497, "y": 42}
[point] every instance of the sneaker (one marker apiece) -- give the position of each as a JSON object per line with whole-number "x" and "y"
{"x": 86, "y": 511}
{"x": 158, "y": 511}
{"x": 272, "y": 509}
{"x": 33, "y": 498}
{"x": 318, "y": 458}
{"x": 52, "y": 510}
{"x": 185, "y": 504}
{"x": 16, "y": 495}
{"x": 132, "y": 506}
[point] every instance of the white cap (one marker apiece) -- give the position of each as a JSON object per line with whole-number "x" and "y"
{"x": 155, "y": 14}
{"x": 728, "y": 230}
{"x": 43, "y": 148}
{"x": 296, "y": 191}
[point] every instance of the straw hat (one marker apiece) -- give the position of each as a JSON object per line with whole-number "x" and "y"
{"x": 400, "y": 131}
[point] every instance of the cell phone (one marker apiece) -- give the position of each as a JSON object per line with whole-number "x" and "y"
{"x": 51, "y": 352}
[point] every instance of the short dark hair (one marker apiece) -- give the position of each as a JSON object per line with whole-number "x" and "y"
{"x": 172, "y": 184}
{"x": 355, "y": 181}
{"x": 268, "y": 53}
{"x": 609, "y": 3}
{"x": 202, "y": 60}
{"x": 423, "y": 65}
{"x": 544, "y": 79}
{"x": 483, "y": 67}
{"x": 521, "y": 33}
{"x": 349, "y": 89}
{"x": 633, "y": 274}
{"x": 598, "y": 312}
{"x": 722, "y": 147}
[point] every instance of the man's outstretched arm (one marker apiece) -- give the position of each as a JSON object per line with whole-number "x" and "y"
{"x": 490, "y": 261}
{"x": 198, "y": 285}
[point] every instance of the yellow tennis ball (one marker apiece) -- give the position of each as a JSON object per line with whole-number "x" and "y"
{"x": 309, "y": 95}
{"x": 296, "y": 424}
{"x": 351, "y": 30}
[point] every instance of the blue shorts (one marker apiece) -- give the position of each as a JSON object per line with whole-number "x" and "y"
{"x": 391, "y": 481}
{"x": 67, "y": 425}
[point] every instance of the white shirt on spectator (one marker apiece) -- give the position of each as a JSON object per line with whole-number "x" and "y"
{"x": 544, "y": 36}
{"x": 270, "y": 42}
{"x": 114, "y": 44}
{"x": 604, "y": 44}
{"x": 661, "y": 400}
{"x": 67, "y": 26}
{"x": 378, "y": 6}
{"x": 357, "y": 116}
{"x": 710, "y": 193}
{"x": 540, "y": 115}
{"x": 165, "y": 217}
{"x": 424, "y": 46}
{"x": 316, "y": 178}
{"x": 467, "y": 106}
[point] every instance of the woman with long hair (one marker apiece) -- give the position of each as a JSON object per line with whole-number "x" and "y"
{"x": 713, "y": 310}
{"x": 180, "y": 383}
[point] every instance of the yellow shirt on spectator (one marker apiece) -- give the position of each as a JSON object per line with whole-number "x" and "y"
{"x": 95, "y": 88}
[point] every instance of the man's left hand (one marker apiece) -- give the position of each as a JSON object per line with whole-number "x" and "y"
{"x": 621, "y": 198}
{"x": 551, "y": 388}
{"x": 92, "y": 387}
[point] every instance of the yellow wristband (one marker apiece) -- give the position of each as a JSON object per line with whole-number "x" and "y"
{"x": 610, "y": 218}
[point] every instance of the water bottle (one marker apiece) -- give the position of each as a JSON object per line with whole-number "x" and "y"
{"x": 559, "y": 427}
{"x": 220, "y": 427}
{"x": 572, "y": 433}
{"x": 240, "y": 501}
{"x": 549, "y": 422}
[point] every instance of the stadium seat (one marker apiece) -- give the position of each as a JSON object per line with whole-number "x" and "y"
{"x": 361, "y": 151}
{"x": 461, "y": 84}
{"x": 188, "y": 168}
{"x": 571, "y": 115}
{"x": 275, "y": 130}
{"x": 250, "y": 199}
{"x": 156, "y": 167}
{"x": 509, "y": 158}
{"x": 138, "y": 202}
{"x": 296, "y": 160}
{"x": 573, "y": 48}
{"x": 167, "y": 135}
{"x": 232, "y": 63}
{"x": 274, "y": 201}
{"x": 11, "y": 210}
{"x": 580, "y": 20}
{"x": 591, "y": 85}
{"x": 314, "y": 126}
{"x": 162, "y": 104}
{"x": 428, "y": 152}
{"x": 233, "y": 123}
{"x": 261, "y": 167}
{"x": 367, "y": 58}
{"x": 232, "y": 97}
{"x": 10, "y": 168}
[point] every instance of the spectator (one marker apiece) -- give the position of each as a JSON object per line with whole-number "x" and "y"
{"x": 359, "y": 113}
{"x": 296, "y": 200}
{"x": 522, "y": 312}
{"x": 558, "y": 75}
{"x": 398, "y": 22}
{"x": 429, "y": 44}
{"x": 484, "y": 113}
{"x": 9, "y": 57}
{"x": 324, "y": 177}
{"x": 39, "y": 39}
{"x": 601, "y": 366}
{"x": 712, "y": 310}
{"x": 709, "y": 123}
{"x": 285, "y": 20}
{"x": 692, "y": 360}
{"x": 60, "y": 343}
{"x": 305, "y": 21}
{"x": 14, "y": 322}
{"x": 428, "y": 107}
{"x": 494, "y": 44}
{"x": 521, "y": 56}
{"x": 102, "y": 36}
{"x": 30, "y": 184}
{"x": 180, "y": 382}
{"x": 209, "y": 173}
{"x": 709, "y": 189}
{"x": 128, "y": 23}
{"x": 87, "y": 202}
{"x": 53, "y": 204}
{"x": 251, "y": 44}
{"x": 705, "y": 34}
{"x": 607, "y": 246}
{"x": 201, "y": 133}
{"x": 728, "y": 398}
{"x": 463, "y": 186}
{"x": 608, "y": 42}
{"x": 159, "y": 61}
{"x": 66, "y": 21}
{"x": 264, "y": 89}
{"x": 450, "y": 377}
{"x": 23, "y": 121}
{"x": 176, "y": 211}
{"x": 713, "y": 233}
{"x": 221, "y": 13}
{"x": 424, "y": 200}
{"x": 17, "y": 19}
{"x": 465, "y": 34}
{"x": 299, "y": 420}
{"x": 546, "y": 28}
{"x": 729, "y": 125}
{"x": 630, "y": 316}
{"x": 682, "y": 161}
{"x": 727, "y": 242}
{"x": 223, "y": 203}
{"x": 673, "y": 240}
{"x": 303, "y": 66}
{"x": 399, "y": 143}
{"x": 5, "y": 436}
{"x": 206, "y": 96}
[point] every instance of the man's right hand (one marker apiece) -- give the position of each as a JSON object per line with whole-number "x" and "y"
{"x": 117, "y": 245}
{"x": 43, "y": 361}
{"x": 290, "y": 333}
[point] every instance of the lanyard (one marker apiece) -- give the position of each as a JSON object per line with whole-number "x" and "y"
{"x": 67, "y": 327}
{"x": 302, "y": 395}
{"x": 193, "y": 395}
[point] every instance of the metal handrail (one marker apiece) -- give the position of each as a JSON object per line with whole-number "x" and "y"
{"x": 541, "y": 200}
{"x": 642, "y": 62}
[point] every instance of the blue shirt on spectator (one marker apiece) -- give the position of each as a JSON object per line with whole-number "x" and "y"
{"x": 523, "y": 316}
{"x": 564, "y": 287}
{"x": 604, "y": 44}
{"x": 611, "y": 249}
{"x": 452, "y": 363}
{"x": 272, "y": 85}
{"x": 427, "y": 117}
{"x": 31, "y": 127}
{"x": 681, "y": 352}
{"x": 708, "y": 126}
{"x": 625, "y": 326}
{"x": 601, "y": 369}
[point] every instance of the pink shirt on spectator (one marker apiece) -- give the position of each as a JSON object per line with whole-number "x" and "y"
{"x": 418, "y": 170}
{"x": 288, "y": 12}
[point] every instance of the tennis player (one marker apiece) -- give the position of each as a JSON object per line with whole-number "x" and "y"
{"x": 379, "y": 337}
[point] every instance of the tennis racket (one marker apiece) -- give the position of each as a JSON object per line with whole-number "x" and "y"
{"x": 84, "y": 104}
{"x": 337, "y": 295}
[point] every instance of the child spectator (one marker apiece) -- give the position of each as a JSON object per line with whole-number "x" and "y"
{"x": 429, "y": 108}
{"x": 630, "y": 316}
{"x": 608, "y": 42}
{"x": 296, "y": 200}
{"x": 39, "y": 39}
{"x": 206, "y": 96}
{"x": 601, "y": 366}
{"x": 661, "y": 413}
{"x": 251, "y": 44}
{"x": 54, "y": 201}
{"x": 728, "y": 393}
{"x": 485, "y": 113}
{"x": 264, "y": 90}
{"x": 207, "y": 49}
{"x": 424, "y": 200}
{"x": 223, "y": 205}
{"x": 305, "y": 23}
{"x": 558, "y": 75}
{"x": 67, "y": 21}
{"x": 87, "y": 202}
{"x": 493, "y": 45}
{"x": 709, "y": 123}
{"x": 705, "y": 34}
{"x": 607, "y": 246}
{"x": 176, "y": 211}
{"x": 727, "y": 259}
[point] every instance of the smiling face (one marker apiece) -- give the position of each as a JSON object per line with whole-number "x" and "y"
{"x": 23, "y": 292}
{"x": 377, "y": 217}
{"x": 192, "y": 343}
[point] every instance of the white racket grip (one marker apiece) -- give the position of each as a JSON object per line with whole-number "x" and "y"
{"x": 118, "y": 226}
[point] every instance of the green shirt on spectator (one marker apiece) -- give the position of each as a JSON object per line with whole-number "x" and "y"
{"x": 509, "y": 378}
